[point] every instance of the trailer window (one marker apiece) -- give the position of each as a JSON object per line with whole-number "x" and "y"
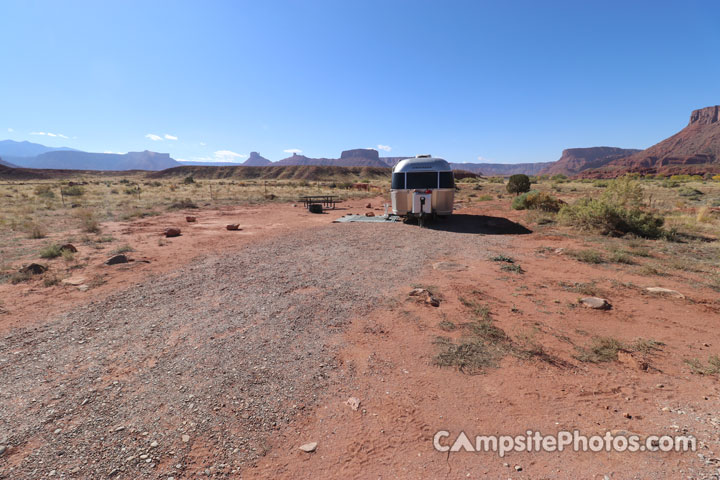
{"x": 447, "y": 180}
{"x": 421, "y": 180}
{"x": 398, "y": 181}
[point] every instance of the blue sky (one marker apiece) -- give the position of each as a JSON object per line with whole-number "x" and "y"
{"x": 505, "y": 81}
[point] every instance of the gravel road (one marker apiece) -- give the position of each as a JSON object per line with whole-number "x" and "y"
{"x": 190, "y": 372}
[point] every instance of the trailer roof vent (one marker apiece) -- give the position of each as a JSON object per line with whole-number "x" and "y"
{"x": 425, "y": 155}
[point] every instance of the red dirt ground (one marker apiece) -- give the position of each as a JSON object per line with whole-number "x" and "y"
{"x": 404, "y": 399}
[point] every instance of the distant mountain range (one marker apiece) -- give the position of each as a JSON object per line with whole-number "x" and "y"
{"x": 695, "y": 149}
{"x": 34, "y": 155}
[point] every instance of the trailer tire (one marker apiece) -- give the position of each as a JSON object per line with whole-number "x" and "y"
{"x": 315, "y": 208}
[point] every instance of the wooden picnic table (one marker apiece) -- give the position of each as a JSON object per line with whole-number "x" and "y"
{"x": 324, "y": 200}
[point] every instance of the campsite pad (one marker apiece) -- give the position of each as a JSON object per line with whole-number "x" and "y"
{"x": 363, "y": 218}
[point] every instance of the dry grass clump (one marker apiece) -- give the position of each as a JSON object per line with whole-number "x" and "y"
{"x": 89, "y": 222}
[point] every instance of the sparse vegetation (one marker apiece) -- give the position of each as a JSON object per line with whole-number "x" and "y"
{"x": 601, "y": 349}
{"x": 587, "y": 256}
{"x": 534, "y": 200}
{"x": 88, "y": 219}
{"x": 51, "y": 251}
{"x": 711, "y": 368}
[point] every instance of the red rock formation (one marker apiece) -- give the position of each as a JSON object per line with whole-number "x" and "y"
{"x": 693, "y": 150}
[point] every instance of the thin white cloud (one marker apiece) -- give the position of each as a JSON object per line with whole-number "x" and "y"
{"x": 60, "y": 135}
{"x": 482, "y": 159}
{"x": 170, "y": 137}
{"x": 11, "y": 130}
{"x": 116, "y": 153}
{"x": 153, "y": 137}
{"x": 384, "y": 148}
{"x": 227, "y": 156}
{"x": 293, "y": 150}
{"x": 202, "y": 144}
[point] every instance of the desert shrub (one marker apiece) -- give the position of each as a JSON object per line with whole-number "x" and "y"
{"x": 189, "y": 180}
{"x": 587, "y": 256}
{"x": 716, "y": 178}
{"x": 517, "y": 184}
{"x": 34, "y": 229}
{"x": 20, "y": 277}
{"x": 181, "y": 204}
{"x": 73, "y": 191}
{"x": 609, "y": 219}
{"x": 502, "y": 258}
{"x": 712, "y": 367}
{"x": 602, "y": 349}
{"x": 89, "y": 222}
{"x": 689, "y": 192}
{"x": 600, "y": 183}
{"x": 44, "y": 191}
{"x": 559, "y": 178}
{"x": 624, "y": 192}
{"x": 534, "y": 200}
{"x": 51, "y": 251}
{"x": 496, "y": 179}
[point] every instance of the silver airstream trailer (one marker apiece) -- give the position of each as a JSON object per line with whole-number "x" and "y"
{"x": 422, "y": 187}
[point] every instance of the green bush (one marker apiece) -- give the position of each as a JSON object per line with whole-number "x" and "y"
{"x": 188, "y": 180}
{"x": 51, "y": 251}
{"x": 609, "y": 219}
{"x": 624, "y": 192}
{"x": 44, "y": 191}
{"x": 689, "y": 192}
{"x": 534, "y": 200}
{"x": 519, "y": 183}
{"x": 73, "y": 191}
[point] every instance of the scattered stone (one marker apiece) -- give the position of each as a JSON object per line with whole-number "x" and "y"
{"x": 353, "y": 402}
{"x": 172, "y": 232}
{"x": 369, "y": 214}
{"x": 627, "y": 415}
{"x": 190, "y": 219}
{"x": 660, "y": 385}
{"x": 34, "y": 268}
{"x": 3, "y": 449}
{"x": 83, "y": 288}
{"x": 68, "y": 247}
{"x": 186, "y": 438}
{"x": 117, "y": 259}
{"x": 416, "y": 292}
{"x": 449, "y": 266}
{"x": 430, "y": 300}
{"x": 74, "y": 281}
{"x": 595, "y": 303}
{"x": 665, "y": 291}
{"x": 308, "y": 447}
{"x": 57, "y": 430}
{"x": 154, "y": 444}
{"x": 233, "y": 226}
{"x": 518, "y": 468}
{"x": 559, "y": 251}
{"x": 369, "y": 205}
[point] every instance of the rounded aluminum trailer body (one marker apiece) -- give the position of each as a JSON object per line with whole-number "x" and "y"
{"x": 421, "y": 179}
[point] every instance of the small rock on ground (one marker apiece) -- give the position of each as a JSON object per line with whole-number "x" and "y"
{"x": 449, "y": 266}
{"x": 308, "y": 447}
{"x": 665, "y": 291}
{"x": 595, "y": 303}
{"x": 172, "y": 232}
{"x": 117, "y": 259}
